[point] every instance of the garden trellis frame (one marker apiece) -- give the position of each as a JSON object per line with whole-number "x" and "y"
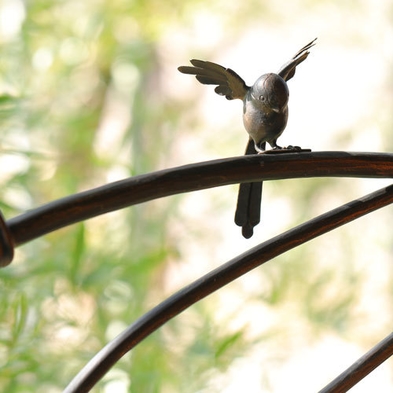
{"x": 138, "y": 189}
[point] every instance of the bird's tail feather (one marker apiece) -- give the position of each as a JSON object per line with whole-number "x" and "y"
{"x": 248, "y": 208}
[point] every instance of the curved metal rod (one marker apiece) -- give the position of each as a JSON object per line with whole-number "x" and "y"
{"x": 142, "y": 188}
{"x": 216, "y": 279}
{"x": 362, "y": 367}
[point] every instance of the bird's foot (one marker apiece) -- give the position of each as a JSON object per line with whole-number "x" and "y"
{"x": 296, "y": 149}
{"x": 288, "y": 149}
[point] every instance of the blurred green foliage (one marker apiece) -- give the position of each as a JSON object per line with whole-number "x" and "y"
{"x": 81, "y": 102}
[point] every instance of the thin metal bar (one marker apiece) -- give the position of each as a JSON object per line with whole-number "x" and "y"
{"x": 138, "y": 189}
{"x": 362, "y": 367}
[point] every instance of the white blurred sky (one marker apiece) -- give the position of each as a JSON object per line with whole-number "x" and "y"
{"x": 343, "y": 85}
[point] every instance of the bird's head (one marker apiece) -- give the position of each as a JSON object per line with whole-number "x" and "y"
{"x": 271, "y": 91}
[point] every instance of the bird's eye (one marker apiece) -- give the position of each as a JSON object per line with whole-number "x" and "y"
{"x": 261, "y": 98}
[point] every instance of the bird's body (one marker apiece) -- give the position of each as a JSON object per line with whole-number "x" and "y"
{"x": 265, "y": 116}
{"x": 263, "y": 123}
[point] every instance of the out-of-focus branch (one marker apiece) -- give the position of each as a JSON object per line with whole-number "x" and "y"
{"x": 363, "y": 366}
{"x": 219, "y": 277}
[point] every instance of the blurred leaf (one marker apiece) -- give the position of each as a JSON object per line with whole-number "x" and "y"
{"x": 20, "y": 308}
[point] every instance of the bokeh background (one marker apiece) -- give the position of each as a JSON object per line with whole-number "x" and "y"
{"x": 90, "y": 93}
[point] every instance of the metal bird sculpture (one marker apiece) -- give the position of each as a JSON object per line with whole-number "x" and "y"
{"x": 265, "y": 116}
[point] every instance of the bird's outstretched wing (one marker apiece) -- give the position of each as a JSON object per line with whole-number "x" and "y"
{"x": 287, "y": 71}
{"x": 229, "y": 84}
